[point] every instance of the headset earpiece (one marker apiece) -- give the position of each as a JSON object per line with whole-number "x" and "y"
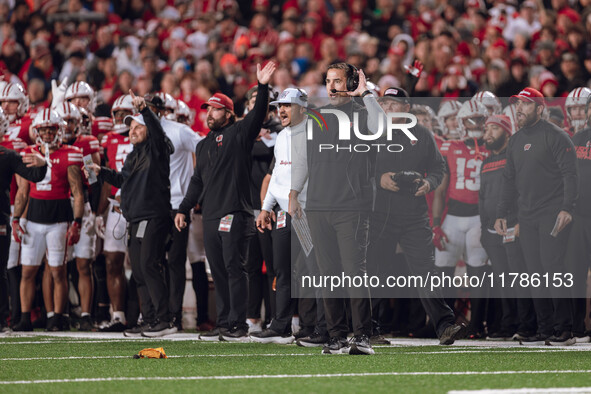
{"x": 352, "y": 78}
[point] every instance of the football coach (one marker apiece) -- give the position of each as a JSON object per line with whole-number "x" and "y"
{"x": 221, "y": 185}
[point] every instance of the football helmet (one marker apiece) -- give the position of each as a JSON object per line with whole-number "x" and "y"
{"x": 471, "y": 118}
{"x": 15, "y": 92}
{"x": 72, "y": 118}
{"x": 184, "y": 113}
{"x": 449, "y": 126}
{"x": 48, "y": 118}
{"x": 577, "y": 98}
{"x": 170, "y": 105}
{"x": 123, "y": 103}
{"x": 82, "y": 89}
{"x": 490, "y": 101}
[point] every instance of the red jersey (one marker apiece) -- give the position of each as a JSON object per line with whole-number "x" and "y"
{"x": 101, "y": 125}
{"x": 117, "y": 147}
{"x": 55, "y": 185}
{"x": 88, "y": 144}
{"x": 15, "y": 145}
{"x": 20, "y": 129}
{"x": 464, "y": 164}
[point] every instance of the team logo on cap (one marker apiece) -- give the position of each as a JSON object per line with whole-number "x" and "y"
{"x": 526, "y": 147}
{"x": 524, "y": 93}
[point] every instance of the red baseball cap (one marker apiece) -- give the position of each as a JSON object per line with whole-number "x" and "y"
{"x": 502, "y": 121}
{"x": 528, "y": 94}
{"x": 219, "y": 100}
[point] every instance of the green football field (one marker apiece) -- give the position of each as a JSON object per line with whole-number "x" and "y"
{"x": 93, "y": 362}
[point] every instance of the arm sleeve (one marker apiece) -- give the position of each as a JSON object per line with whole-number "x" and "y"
{"x": 113, "y": 177}
{"x": 270, "y": 199}
{"x": 436, "y": 163}
{"x": 299, "y": 162}
{"x": 33, "y": 174}
{"x": 253, "y": 121}
{"x": 194, "y": 191}
{"x": 156, "y": 136}
{"x": 563, "y": 151}
{"x": 508, "y": 188}
{"x": 374, "y": 114}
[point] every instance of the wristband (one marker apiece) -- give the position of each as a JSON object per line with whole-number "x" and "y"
{"x": 16, "y": 218}
{"x": 78, "y": 221}
{"x": 366, "y": 93}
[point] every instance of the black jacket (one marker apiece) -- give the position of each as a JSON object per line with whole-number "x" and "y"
{"x": 540, "y": 173}
{"x": 423, "y": 157}
{"x": 222, "y": 177}
{"x": 339, "y": 181}
{"x": 11, "y": 163}
{"x": 491, "y": 182}
{"x": 582, "y": 141}
{"x": 144, "y": 178}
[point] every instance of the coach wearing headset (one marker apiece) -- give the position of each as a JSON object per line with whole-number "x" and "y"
{"x": 339, "y": 199}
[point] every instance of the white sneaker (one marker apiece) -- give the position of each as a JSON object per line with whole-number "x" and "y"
{"x": 254, "y": 327}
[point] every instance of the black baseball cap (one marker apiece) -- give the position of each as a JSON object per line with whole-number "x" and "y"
{"x": 154, "y": 100}
{"x": 398, "y": 94}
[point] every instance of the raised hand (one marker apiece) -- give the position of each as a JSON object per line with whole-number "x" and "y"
{"x": 138, "y": 102}
{"x": 362, "y": 87}
{"x": 264, "y": 75}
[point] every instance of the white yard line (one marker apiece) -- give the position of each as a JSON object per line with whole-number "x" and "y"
{"x": 549, "y": 350}
{"x": 525, "y": 390}
{"x": 295, "y": 376}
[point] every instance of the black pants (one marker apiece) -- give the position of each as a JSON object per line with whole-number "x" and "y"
{"x": 146, "y": 255}
{"x": 227, "y": 253}
{"x": 517, "y": 310}
{"x": 310, "y": 301}
{"x": 259, "y": 284}
{"x": 415, "y": 238}
{"x": 544, "y": 253}
{"x": 578, "y": 259}
{"x": 177, "y": 273}
{"x": 340, "y": 243}
{"x": 4, "y": 248}
{"x": 282, "y": 267}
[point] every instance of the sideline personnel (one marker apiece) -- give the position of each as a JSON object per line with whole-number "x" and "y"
{"x": 221, "y": 185}
{"x": 145, "y": 203}
{"x": 541, "y": 174}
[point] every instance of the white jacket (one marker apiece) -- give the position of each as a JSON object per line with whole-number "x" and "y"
{"x": 289, "y": 141}
{"x": 184, "y": 140}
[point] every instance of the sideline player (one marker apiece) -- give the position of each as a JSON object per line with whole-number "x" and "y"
{"x": 51, "y": 223}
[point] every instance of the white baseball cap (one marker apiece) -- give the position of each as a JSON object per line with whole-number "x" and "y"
{"x": 292, "y": 96}
{"x": 138, "y": 118}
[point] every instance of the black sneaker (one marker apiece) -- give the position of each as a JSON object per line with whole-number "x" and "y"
{"x": 314, "y": 340}
{"x": 53, "y": 323}
{"x": 159, "y": 329}
{"x": 336, "y": 345}
{"x": 535, "y": 340}
{"x": 211, "y": 335}
{"x": 379, "y": 340}
{"x": 64, "y": 322}
{"x": 135, "y": 331}
{"x": 23, "y": 326}
{"x": 114, "y": 325}
{"x": 271, "y": 336}
{"x": 452, "y": 333}
{"x": 360, "y": 344}
{"x": 522, "y": 335}
{"x": 4, "y": 328}
{"x": 304, "y": 332}
{"x": 235, "y": 334}
{"x": 501, "y": 335}
{"x": 564, "y": 338}
{"x": 85, "y": 324}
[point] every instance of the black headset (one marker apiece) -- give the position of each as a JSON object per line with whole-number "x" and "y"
{"x": 352, "y": 78}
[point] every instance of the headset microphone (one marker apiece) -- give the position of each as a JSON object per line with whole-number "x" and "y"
{"x": 339, "y": 91}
